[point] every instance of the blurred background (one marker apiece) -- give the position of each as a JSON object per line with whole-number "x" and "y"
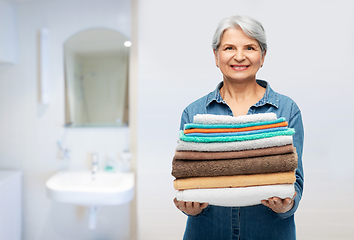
{"x": 171, "y": 63}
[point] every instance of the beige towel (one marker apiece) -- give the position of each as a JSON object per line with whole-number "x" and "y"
{"x": 235, "y": 181}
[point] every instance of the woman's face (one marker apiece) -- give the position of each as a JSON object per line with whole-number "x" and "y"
{"x": 239, "y": 57}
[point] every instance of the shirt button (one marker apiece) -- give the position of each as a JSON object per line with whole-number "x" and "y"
{"x": 236, "y": 231}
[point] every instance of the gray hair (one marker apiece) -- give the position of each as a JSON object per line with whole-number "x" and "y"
{"x": 249, "y": 26}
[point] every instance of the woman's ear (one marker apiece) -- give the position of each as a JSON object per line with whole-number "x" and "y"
{"x": 263, "y": 56}
{"x": 216, "y": 58}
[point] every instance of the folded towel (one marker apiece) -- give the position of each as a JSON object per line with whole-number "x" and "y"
{"x": 188, "y": 126}
{"x": 224, "y": 119}
{"x": 233, "y": 128}
{"x": 234, "y": 146}
{"x": 235, "y": 181}
{"x": 225, "y": 134}
{"x": 236, "y": 197}
{"x": 288, "y": 132}
{"x": 195, "y": 155}
{"x": 244, "y": 166}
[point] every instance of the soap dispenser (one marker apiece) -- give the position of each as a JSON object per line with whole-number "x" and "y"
{"x": 125, "y": 157}
{"x": 110, "y": 165}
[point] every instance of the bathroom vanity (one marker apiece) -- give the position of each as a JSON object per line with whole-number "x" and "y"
{"x": 10, "y": 204}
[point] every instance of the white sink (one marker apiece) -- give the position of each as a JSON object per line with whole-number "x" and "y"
{"x": 79, "y": 187}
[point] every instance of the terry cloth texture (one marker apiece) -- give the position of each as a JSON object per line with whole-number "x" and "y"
{"x": 223, "y": 119}
{"x": 225, "y": 134}
{"x": 189, "y": 126}
{"x": 244, "y": 166}
{"x": 288, "y": 132}
{"x": 236, "y": 197}
{"x": 235, "y": 181}
{"x": 234, "y": 146}
{"x": 221, "y": 128}
{"x": 195, "y": 155}
{"x": 235, "y": 161}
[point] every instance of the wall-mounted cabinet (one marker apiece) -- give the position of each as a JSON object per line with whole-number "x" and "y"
{"x": 7, "y": 33}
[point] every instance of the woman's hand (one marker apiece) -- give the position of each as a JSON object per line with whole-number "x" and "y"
{"x": 190, "y": 208}
{"x": 279, "y": 205}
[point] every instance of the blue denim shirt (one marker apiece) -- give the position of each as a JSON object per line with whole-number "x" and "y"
{"x": 252, "y": 222}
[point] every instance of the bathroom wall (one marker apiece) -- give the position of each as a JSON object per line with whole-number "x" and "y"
{"x": 309, "y": 58}
{"x": 29, "y": 131}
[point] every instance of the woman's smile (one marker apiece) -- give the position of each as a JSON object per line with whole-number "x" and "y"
{"x": 239, "y": 67}
{"x": 239, "y": 56}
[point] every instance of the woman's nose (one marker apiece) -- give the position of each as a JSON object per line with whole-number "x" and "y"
{"x": 239, "y": 56}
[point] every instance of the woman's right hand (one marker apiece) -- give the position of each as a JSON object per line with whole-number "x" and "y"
{"x": 190, "y": 208}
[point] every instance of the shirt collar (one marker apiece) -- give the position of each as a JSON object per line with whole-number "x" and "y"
{"x": 270, "y": 97}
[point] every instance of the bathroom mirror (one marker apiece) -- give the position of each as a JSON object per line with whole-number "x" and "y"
{"x": 96, "y": 79}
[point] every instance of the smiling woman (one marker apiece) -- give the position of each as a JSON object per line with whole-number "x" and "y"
{"x": 240, "y": 47}
{"x": 239, "y": 58}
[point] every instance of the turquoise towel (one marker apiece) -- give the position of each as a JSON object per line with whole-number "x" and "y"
{"x": 212, "y": 126}
{"x": 288, "y": 132}
{"x": 224, "y": 134}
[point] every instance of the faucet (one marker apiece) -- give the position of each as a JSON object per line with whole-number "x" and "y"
{"x": 94, "y": 164}
{"x": 63, "y": 153}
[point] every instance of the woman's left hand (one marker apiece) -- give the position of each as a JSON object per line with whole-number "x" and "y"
{"x": 279, "y": 205}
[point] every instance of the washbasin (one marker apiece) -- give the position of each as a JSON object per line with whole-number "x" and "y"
{"x": 82, "y": 188}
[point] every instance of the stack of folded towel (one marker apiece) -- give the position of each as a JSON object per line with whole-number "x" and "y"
{"x": 235, "y": 161}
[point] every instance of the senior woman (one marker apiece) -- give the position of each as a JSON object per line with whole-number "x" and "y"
{"x": 240, "y": 47}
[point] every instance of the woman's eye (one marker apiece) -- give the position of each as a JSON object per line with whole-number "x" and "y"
{"x": 228, "y": 48}
{"x": 250, "y": 48}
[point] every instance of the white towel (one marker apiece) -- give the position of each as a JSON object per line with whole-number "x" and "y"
{"x": 225, "y": 119}
{"x": 234, "y": 146}
{"x": 236, "y": 197}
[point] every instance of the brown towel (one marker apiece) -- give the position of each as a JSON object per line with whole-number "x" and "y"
{"x": 235, "y": 181}
{"x": 194, "y": 155}
{"x": 244, "y": 166}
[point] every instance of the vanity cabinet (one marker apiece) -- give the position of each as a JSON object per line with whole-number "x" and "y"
{"x": 8, "y": 39}
{"x": 10, "y": 205}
